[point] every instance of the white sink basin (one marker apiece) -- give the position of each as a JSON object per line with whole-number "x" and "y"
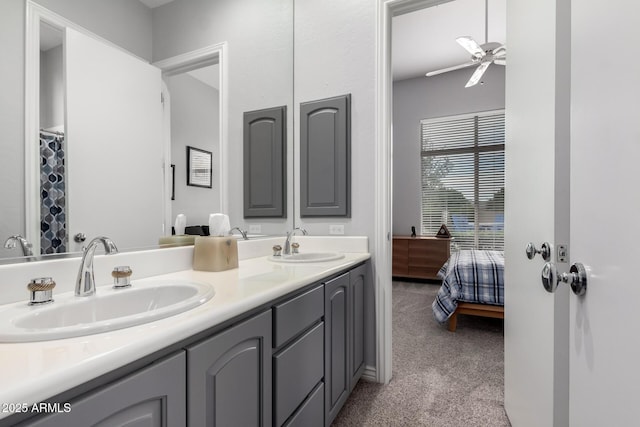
{"x": 308, "y": 257}
{"x": 109, "y": 309}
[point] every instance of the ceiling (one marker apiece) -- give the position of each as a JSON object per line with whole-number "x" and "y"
{"x": 422, "y": 41}
{"x": 425, "y": 40}
{"x": 208, "y": 75}
{"x": 49, "y": 37}
{"x": 154, "y": 3}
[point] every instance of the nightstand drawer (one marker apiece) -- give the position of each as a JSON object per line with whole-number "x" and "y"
{"x": 419, "y": 257}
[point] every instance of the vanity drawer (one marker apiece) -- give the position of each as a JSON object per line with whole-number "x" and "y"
{"x": 296, "y": 315}
{"x": 296, "y": 371}
{"x": 311, "y": 412}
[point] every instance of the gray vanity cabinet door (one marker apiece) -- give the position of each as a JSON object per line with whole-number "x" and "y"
{"x": 153, "y": 396}
{"x": 229, "y": 376}
{"x": 357, "y": 278}
{"x": 264, "y": 156}
{"x": 336, "y": 345}
{"x": 325, "y": 157}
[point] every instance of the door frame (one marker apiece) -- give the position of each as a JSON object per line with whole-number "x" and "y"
{"x": 383, "y": 192}
{"x": 383, "y": 199}
{"x": 208, "y": 55}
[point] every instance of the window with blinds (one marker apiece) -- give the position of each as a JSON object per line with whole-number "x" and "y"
{"x": 463, "y": 179}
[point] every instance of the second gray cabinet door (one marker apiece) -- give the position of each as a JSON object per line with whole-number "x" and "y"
{"x": 336, "y": 345}
{"x": 325, "y": 157}
{"x": 229, "y": 376}
{"x": 357, "y": 280}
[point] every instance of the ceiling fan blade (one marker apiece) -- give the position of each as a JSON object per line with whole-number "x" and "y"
{"x": 500, "y": 61}
{"x": 471, "y": 46}
{"x": 499, "y": 51}
{"x": 455, "y": 67}
{"x": 477, "y": 74}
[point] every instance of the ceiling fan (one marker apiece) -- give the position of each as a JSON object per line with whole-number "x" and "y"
{"x": 482, "y": 55}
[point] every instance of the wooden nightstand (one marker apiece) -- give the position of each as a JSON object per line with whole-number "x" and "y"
{"x": 419, "y": 257}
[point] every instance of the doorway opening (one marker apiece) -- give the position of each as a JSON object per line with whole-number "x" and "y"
{"x": 387, "y": 220}
{"x": 195, "y": 116}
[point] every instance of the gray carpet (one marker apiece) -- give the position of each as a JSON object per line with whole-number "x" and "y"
{"x": 440, "y": 378}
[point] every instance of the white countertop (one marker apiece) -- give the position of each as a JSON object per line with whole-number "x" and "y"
{"x": 32, "y": 372}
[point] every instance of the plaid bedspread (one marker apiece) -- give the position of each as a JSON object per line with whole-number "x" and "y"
{"x": 470, "y": 276}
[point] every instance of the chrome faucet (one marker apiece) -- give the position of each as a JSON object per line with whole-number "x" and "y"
{"x": 11, "y": 242}
{"x": 86, "y": 284}
{"x": 239, "y": 230}
{"x": 287, "y": 243}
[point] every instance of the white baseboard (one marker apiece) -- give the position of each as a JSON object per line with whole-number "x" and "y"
{"x": 370, "y": 374}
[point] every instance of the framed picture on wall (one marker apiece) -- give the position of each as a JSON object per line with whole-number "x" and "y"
{"x": 199, "y": 167}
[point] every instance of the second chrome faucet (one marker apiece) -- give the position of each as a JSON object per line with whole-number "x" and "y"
{"x": 287, "y": 242}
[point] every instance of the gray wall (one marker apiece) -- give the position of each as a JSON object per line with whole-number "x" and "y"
{"x": 425, "y": 98}
{"x": 194, "y": 122}
{"x": 260, "y": 45}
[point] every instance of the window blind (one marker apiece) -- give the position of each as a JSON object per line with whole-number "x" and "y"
{"x": 463, "y": 179}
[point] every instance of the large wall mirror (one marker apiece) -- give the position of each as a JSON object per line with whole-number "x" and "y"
{"x": 104, "y": 153}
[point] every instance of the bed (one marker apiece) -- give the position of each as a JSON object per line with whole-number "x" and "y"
{"x": 472, "y": 283}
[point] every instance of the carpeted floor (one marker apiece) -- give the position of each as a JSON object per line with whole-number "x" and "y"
{"x": 440, "y": 378}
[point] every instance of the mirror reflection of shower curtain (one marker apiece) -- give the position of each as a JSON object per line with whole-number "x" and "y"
{"x": 53, "y": 223}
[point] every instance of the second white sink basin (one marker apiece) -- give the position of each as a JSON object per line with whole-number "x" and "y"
{"x": 308, "y": 257}
{"x": 107, "y": 310}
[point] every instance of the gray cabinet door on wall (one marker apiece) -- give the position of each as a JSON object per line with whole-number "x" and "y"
{"x": 229, "y": 376}
{"x": 153, "y": 396}
{"x": 325, "y": 157}
{"x": 265, "y": 161}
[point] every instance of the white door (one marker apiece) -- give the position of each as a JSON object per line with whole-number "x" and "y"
{"x": 115, "y": 147}
{"x": 536, "y": 210}
{"x": 569, "y": 360}
{"x": 605, "y": 227}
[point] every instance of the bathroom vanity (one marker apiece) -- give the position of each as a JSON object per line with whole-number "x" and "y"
{"x": 277, "y": 345}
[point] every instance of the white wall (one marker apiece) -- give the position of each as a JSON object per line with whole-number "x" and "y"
{"x": 194, "y": 122}
{"x": 260, "y": 61}
{"x": 425, "y": 98}
{"x": 12, "y": 19}
{"x": 335, "y": 55}
{"x": 51, "y": 89}
{"x": 124, "y": 22}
